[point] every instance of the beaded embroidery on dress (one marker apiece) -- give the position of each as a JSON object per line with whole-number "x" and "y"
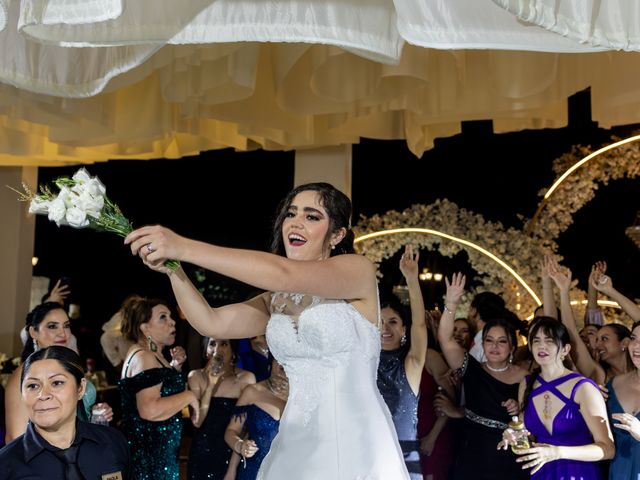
{"x": 335, "y": 424}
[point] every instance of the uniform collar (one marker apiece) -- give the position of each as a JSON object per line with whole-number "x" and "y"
{"x": 34, "y": 444}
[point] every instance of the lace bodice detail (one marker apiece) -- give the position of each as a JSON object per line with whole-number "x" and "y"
{"x": 292, "y": 305}
{"x": 312, "y": 337}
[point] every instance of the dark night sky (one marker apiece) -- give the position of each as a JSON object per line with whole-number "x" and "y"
{"x": 230, "y": 198}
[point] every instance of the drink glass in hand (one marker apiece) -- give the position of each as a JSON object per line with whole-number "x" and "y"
{"x": 217, "y": 362}
{"x": 99, "y": 415}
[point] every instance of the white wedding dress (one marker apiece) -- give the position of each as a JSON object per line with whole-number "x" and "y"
{"x": 335, "y": 425}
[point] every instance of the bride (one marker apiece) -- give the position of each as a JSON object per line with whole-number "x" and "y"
{"x": 320, "y": 314}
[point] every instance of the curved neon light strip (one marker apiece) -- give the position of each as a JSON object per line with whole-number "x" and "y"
{"x": 428, "y": 231}
{"x": 585, "y": 160}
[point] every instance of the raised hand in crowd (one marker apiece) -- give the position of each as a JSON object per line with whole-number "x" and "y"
{"x": 59, "y": 293}
{"x": 581, "y": 355}
{"x": 178, "y": 357}
{"x": 548, "y": 299}
{"x": 604, "y": 284}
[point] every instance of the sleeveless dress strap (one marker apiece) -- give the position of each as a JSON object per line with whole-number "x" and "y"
{"x": 551, "y": 386}
{"x": 128, "y": 362}
{"x": 578, "y": 383}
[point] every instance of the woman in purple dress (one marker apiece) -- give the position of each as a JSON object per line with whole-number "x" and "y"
{"x": 563, "y": 410}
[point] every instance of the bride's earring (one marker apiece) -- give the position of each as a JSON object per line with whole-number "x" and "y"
{"x": 36, "y": 347}
{"x": 403, "y": 340}
{"x": 152, "y": 345}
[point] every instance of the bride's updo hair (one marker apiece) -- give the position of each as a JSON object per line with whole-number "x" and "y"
{"x": 337, "y": 206}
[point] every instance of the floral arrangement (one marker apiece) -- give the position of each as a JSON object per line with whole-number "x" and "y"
{"x": 81, "y": 202}
{"x": 520, "y": 250}
{"x": 580, "y": 187}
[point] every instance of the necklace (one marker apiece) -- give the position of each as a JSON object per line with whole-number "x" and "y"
{"x": 546, "y": 410}
{"x": 497, "y": 370}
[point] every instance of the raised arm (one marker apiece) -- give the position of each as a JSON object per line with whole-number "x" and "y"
{"x": 583, "y": 359}
{"x": 604, "y": 284}
{"x": 414, "y": 362}
{"x": 349, "y": 277}
{"x": 453, "y": 353}
{"x": 593, "y": 314}
{"x": 548, "y": 300}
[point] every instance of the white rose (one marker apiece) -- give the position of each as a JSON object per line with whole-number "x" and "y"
{"x": 66, "y": 196}
{"x": 39, "y": 206}
{"x": 76, "y": 217}
{"x": 57, "y": 211}
{"x": 91, "y": 204}
{"x": 81, "y": 176}
{"x": 95, "y": 187}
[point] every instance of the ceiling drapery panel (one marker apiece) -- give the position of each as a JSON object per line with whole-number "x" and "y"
{"x": 91, "y": 80}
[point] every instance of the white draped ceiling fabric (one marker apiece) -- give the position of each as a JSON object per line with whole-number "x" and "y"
{"x": 90, "y": 80}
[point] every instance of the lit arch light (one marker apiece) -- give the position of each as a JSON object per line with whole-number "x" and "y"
{"x": 427, "y": 231}
{"x": 585, "y": 160}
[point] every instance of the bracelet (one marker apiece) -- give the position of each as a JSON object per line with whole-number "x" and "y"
{"x": 451, "y": 311}
{"x": 235, "y": 446}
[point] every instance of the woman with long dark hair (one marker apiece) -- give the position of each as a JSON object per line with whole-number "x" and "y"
{"x": 321, "y": 318}
{"x": 563, "y": 410}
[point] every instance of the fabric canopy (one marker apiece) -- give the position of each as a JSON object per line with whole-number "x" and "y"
{"x": 91, "y": 80}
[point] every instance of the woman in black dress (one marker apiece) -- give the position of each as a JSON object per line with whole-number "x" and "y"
{"x": 491, "y": 392}
{"x": 217, "y": 386}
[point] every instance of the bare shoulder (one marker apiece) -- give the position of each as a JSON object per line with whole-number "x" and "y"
{"x": 586, "y": 391}
{"x": 245, "y": 376}
{"x": 195, "y": 378}
{"x": 141, "y": 360}
{"x": 248, "y": 395}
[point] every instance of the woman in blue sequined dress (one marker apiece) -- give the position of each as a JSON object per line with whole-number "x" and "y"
{"x": 217, "y": 386}
{"x": 153, "y": 391}
{"x": 402, "y": 361}
{"x": 256, "y": 420}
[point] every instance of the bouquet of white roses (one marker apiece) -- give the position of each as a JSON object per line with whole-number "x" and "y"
{"x": 81, "y": 202}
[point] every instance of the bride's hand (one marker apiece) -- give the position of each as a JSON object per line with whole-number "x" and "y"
{"x": 156, "y": 244}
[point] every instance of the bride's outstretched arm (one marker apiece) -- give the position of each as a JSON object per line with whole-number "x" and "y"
{"x": 350, "y": 277}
